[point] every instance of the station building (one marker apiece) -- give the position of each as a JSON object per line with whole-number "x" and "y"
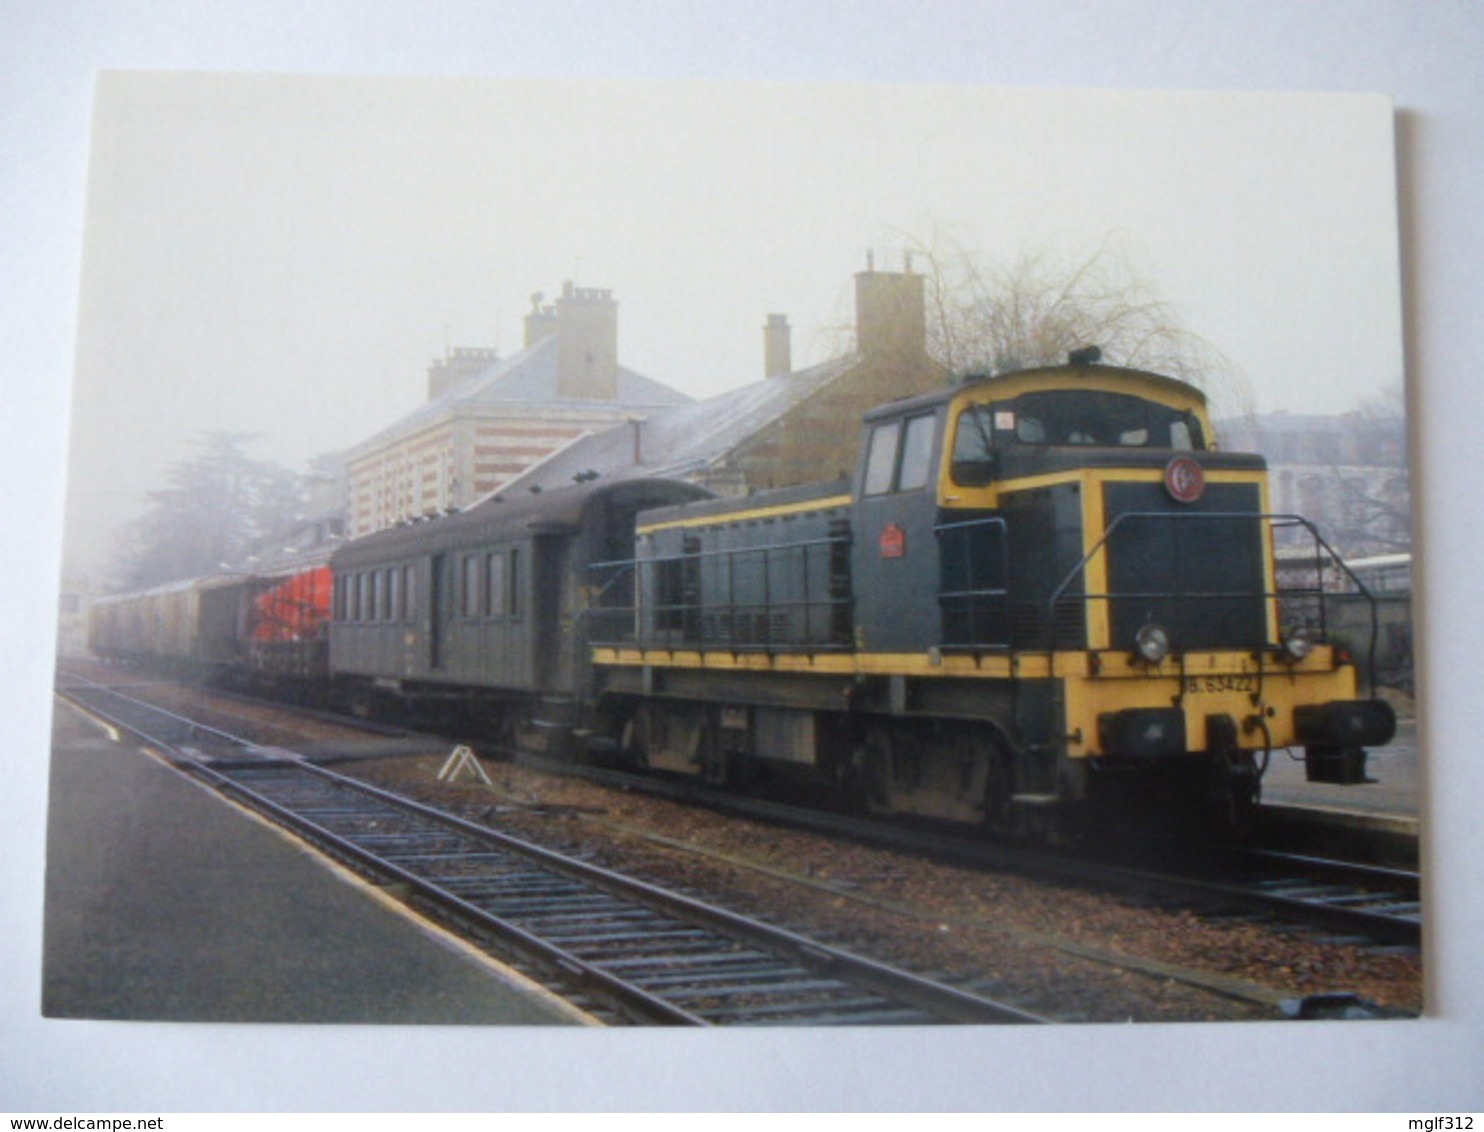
{"x": 487, "y": 420}
{"x": 791, "y": 427}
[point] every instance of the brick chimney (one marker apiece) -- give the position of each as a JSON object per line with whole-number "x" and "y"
{"x": 777, "y": 347}
{"x": 587, "y": 344}
{"x": 890, "y": 312}
{"x": 458, "y": 365}
{"x": 541, "y": 322}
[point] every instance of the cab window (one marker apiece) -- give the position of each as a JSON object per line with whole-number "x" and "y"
{"x": 900, "y": 456}
{"x": 1066, "y": 417}
{"x": 917, "y": 454}
{"x": 973, "y": 447}
{"x": 881, "y": 459}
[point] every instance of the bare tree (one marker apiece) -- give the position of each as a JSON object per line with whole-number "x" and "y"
{"x": 991, "y": 318}
{"x": 1374, "y": 492}
{"x": 215, "y": 508}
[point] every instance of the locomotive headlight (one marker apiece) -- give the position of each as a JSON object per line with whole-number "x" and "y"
{"x": 1298, "y": 642}
{"x": 1152, "y": 642}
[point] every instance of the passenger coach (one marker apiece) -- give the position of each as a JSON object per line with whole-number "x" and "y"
{"x": 484, "y": 609}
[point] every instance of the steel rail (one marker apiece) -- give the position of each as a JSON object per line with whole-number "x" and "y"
{"x": 1259, "y": 891}
{"x": 740, "y": 970}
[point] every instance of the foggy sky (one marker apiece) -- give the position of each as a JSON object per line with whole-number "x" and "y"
{"x": 286, "y": 255}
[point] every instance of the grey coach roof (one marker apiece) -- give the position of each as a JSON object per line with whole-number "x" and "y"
{"x": 509, "y": 515}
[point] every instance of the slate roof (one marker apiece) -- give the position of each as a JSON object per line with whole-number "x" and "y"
{"x": 684, "y": 439}
{"x": 528, "y": 380}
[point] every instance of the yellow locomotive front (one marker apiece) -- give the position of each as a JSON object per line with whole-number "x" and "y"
{"x": 1093, "y": 530}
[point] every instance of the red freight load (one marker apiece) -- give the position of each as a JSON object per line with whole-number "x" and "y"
{"x": 296, "y": 609}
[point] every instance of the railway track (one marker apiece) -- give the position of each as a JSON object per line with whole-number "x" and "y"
{"x": 1369, "y": 903}
{"x": 646, "y": 954}
{"x": 1354, "y": 900}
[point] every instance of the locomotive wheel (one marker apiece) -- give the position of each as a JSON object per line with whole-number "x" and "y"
{"x": 718, "y": 765}
{"x": 999, "y": 786}
{"x": 632, "y": 739}
{"x": 362, "y": 702}
{"x": 868, "y": 781}
{"x": 953, "y": 773}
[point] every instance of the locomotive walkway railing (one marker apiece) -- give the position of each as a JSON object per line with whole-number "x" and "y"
{"x": 974, "y": 595}
{"x": 1299, "y": 605}
{"x": 791, "y": 595}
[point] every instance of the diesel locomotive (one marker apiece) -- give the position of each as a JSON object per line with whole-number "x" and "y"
{"x": 1041, "y": 596}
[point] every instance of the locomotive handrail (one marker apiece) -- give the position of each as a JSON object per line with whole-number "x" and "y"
{"x": 971, "y": 595}
{"x": 642, "y": 632}
{"x": 629, "y": 563}
{"x": 1277, "y": 593}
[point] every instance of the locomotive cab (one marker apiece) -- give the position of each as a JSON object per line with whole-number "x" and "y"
{"x": 1075, "y": 529}
{"x": 1142, "y": 561}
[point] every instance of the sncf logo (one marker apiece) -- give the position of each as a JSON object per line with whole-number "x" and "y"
{"x": 1184, "y": 479}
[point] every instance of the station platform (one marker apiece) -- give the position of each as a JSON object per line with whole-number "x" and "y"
{"x": 166, "y": 903}
{"x": 1379, "y": 820}
{"x": 1395, "y": 793}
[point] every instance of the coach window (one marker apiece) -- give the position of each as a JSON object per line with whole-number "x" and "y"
{"x": 394, "y": 594}
{"x": 495, "y": 567}
{"x": 409, "y": 592}
{"x": 514, "y": 604}
{"x": 881, "y": 458}
{"x": 472, "y": 582}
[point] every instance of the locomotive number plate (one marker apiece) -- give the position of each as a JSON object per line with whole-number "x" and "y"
{"x": 1200, "y": 685}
